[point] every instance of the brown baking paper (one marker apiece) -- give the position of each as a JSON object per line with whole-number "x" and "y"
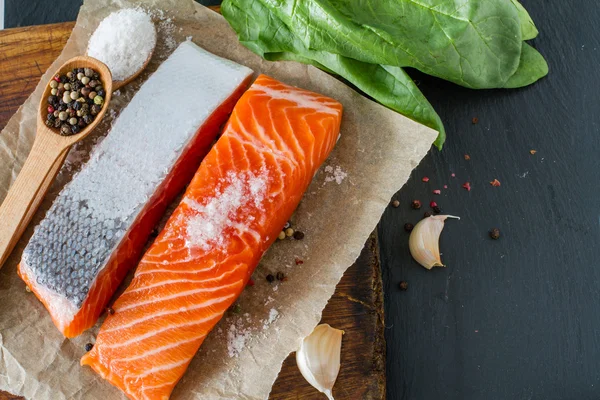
{"x": 241, "y": 358}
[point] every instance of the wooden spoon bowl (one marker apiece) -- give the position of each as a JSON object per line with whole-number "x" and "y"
{"x": 40, "y": 167}
{"x": 119, "y": 84}
{"x": 105, "y": 78}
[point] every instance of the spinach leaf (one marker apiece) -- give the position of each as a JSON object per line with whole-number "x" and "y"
{"x": 266, "y": 35}
{"x": 533, "y": 66}
{"x": 474, "y": 43}
{"x": 528, "y": 29}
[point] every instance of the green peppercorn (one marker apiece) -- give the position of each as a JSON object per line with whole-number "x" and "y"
{"x": 53, "y": 84}
{"x": 98, "y": 100}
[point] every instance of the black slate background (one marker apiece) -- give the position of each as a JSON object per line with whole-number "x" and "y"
{"x": 517, "y": 318}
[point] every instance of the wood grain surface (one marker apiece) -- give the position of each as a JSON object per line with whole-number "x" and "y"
{"x": 357, "y": 305}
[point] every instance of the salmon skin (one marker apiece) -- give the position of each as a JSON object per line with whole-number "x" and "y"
{"x": 96, "y": 229}
{"x": 245, "y": 190}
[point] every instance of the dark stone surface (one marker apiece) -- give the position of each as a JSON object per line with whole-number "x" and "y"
{"x": 516, "y": 318}
{"x": 36, "y": 12}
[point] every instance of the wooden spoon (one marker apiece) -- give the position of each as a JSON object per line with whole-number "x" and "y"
{"x": 58, "y": 164}
{"x": 41, "y": 164}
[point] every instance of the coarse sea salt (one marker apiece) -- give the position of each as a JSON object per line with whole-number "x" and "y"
{"x": 336, "y": 174}
{"x": 123, "y": 41}
{"x": 235, "y": 192}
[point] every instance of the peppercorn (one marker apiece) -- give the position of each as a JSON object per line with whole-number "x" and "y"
{"x": 93, "y": 83}
{"x": 495, "y": 233}
{"x": 50, "y": 110}
{"x": 54, "y": 92}
{"x": 98, "y": 100}
{"x": 416, "y": 204}
{"x": 75, "y": 129}
{"x": 427, "y": 214}
{"x": 74, "y": 95}
{"x": 70, "y": 75}
{"x": 408, "y": 227}
{"x": 88, "y": 72}
{"x": 395, "y": 203}
{"x": 85, "y": 80}
{"x": 281, "y": 235}
{"x": 56, "y": 113}
{"x": 96, "y": 76}
{"x": 270, "y": 278}
{"x": 403, "y": 285}
{"x": 280, "y": 276}
{"x": 63, "y": 78}
{"x": 92, "y": 94}
{"x": 77, "y": 106}
{"x": 57, "y": 123}
{"x": 62, "y": 107}
{"x": 287, "y": 225}
{"x": 80, "y": 70}
{"x": 289, "y": 232}
{"x": 89, "y": 347}
{"x": 77, "y": 85}
{"x": 85, "y": 92}
{"x": 81, "y": 123}
{"x": 110, "y": 310}
{"x": 437, "y": 209}
{"x": 475, "y": 120}
{"x": 63, "y": 115}
{"x": 298, "y": 235}
{"x": 73, "y": 120}
{"x": 27, "y": 289}
{"x": 52, "y": 99}
{"x": 67, "y": 86}
{"x": 101, "y": 93}
{"x": 95, "y": 109}
{"x": 87, "y": 118}
{"x": 80, "y": 75}
{"x": 53, "y": 84}
{"x": 236, "y": 309}
{"x": 65, "y": 130}
{"x": 50, "y": 123}
{"x": 50, "y": 116}
{"x": 99, "y": 87}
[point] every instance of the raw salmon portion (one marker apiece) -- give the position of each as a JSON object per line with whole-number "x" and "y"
{"x": 243, "y": 193}
{"x": 96, "y": 229}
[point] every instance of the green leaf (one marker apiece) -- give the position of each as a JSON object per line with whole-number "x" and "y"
{"x": 533, "y": 66}
{"x": 263, "y": 33}
{"x": 528, "y": 29}
{"x": 474, "y": 43}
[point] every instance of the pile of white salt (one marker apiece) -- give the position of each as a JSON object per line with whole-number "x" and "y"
{"x": 123, "y": 41}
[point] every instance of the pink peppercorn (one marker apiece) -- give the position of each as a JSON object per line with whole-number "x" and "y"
{"x": 453, "y": 175}
{"x": 467, "y": 186}
{"x": 50, "y": 109}
{"x": 445, "y": 186}
{"x": 425, "y": 179}
{"x": 437, "y": 191}
{"x": 432, "y": 204}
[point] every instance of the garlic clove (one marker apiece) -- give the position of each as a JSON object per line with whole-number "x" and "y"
{"x": 424, "y": 242}
{"x": 319, "y": 358}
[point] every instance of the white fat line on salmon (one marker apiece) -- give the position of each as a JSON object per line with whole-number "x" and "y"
{"x": 140, "y": 338}
{"x": 175, "y": 296}
{"x": 154, "y": 370}
{"x": 157, "y": 350}
{"x": 183, "y": 280}
{"x": 299, "y": 96}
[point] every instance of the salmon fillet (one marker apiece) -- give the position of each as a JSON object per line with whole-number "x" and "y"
{"x": 245, "y": 190}
{"x": 96, "y": 229}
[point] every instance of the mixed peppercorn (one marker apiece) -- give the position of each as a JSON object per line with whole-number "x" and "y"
{"x": 74, "y": 101}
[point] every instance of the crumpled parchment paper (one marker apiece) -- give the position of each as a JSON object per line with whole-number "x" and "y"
{"x": 241, "y": 358}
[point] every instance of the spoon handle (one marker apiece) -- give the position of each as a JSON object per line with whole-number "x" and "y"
{"x": 27, "y": 191}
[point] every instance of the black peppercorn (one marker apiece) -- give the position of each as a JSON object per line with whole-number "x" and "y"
{"x": 395, "y": 204}
{"x": 110, "y": 310}
{"x": 87, "y": 118}
{"x": 437, "y": 209}
{"x": 75, "y": 129}
{"x": 280, "y": 276}
{"x": 298, "y": 235}
{"x": 65, "y": 130}
{"x": 49, "y": 123}
{"x": 62, "y": 107}
{"x": 495, "y": 233}
{"x": 64, "y": 79}
{"x": 89, "y": 347}
{"x": 408, "y": 227}
{"x": 270, "y": 278}
{"x": 52, "y": 99}
{"x": 77, "y": 106}
{"x": 81, "y": 123}
{"x": 427, "y": 214}
{"x": 416, "y": 204}
{"x": 57, "y": 123}
{"x": 403, "y": 285}
{"x": 80, "y": 70}
{"x": 101, "y": 93}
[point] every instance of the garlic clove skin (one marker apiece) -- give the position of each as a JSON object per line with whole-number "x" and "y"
{"x": 424, "y": 242}
{"x": 319, "y": 358}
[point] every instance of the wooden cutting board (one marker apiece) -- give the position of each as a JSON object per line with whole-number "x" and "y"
{"x": 357, "y": 305}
